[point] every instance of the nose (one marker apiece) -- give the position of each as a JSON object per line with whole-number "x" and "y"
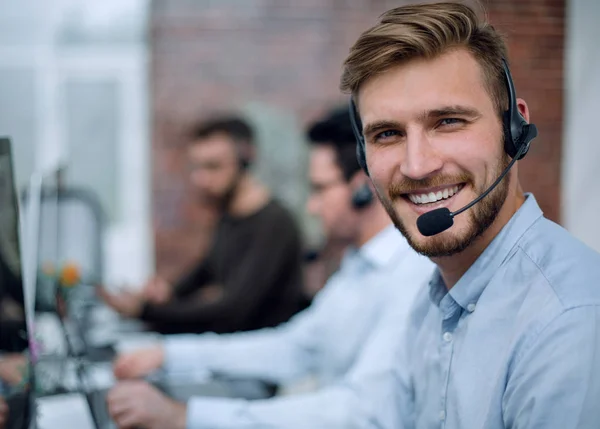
{"x": 421, "y": 159}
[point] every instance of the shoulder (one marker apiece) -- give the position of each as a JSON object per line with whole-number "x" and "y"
{"x": 276, "y": 211}
{"x": 277, "y": 223}
{"x": 553, "y": 282}
{"x": 408, "y": 276}
{"x": 563, "y": 266}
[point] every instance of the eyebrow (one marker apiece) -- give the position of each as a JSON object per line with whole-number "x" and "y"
{"x": 376, "y": 127}
{"x": 464, "y": 111}
{"x": 450, "y": 111}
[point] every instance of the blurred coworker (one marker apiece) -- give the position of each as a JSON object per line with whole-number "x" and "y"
{"x": 13, "y": 342}
{"x": 345, "y": 338}
{"x": 12, "y": 366}
{"x": 3, "y": 412}
{"x": 12, "y": 314}
{"x": 12, "y": 369}
{"x": 252, "y": 275}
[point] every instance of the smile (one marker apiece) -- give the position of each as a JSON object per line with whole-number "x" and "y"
{"x": 425, "y": 197}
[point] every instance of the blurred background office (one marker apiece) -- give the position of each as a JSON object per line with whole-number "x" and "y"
{"x": 107, "y": 88}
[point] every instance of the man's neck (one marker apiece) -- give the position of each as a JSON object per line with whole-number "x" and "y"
{"x": 452, "y": 268}
{"x": 373, "y": 220}
{"x": 248, "y": 198}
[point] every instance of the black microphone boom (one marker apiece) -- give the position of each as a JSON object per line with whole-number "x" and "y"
{"x": 439, "y": 220}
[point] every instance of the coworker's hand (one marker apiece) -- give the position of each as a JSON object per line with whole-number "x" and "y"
{"x": 139, "y": 363}
{"x": 211, "y": 293}
{"x": 157, "y": 290}
{"x": 133, "y": 404}
{"x": 12, "y": 366}
{"x": 3, "y": 413}
{"x": 126, "y": 303}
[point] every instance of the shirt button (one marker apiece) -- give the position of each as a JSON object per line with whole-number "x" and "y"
{"x": 471, "y": 307}
{"x": 442, "y": 415}
{"x": 447, "y": 337}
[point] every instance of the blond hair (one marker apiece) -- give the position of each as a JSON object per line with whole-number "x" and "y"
{"x": 427, "y": 31}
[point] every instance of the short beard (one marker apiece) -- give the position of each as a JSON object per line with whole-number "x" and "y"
{"x": 223, "y": 201}
{"x": 481, "y": 217}
{"x": 227, "y": 198}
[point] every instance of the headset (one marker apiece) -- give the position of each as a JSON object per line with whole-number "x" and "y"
{"x": 245, "y": 163}
{"x": 518, "y": 135}
{"x": 362, "y": 197}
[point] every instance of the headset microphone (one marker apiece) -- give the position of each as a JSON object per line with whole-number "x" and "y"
{"x": 439, "y": 220}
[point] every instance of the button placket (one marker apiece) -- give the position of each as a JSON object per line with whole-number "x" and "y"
{"x": 446, "y": 350}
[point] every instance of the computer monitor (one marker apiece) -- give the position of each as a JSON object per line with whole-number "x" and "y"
{"x": 60, "y": 373}
{"x": 14, "y": 326}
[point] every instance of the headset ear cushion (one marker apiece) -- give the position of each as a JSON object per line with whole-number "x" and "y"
{"x": 528, "y": 133}
{"x": 362, "y": 197}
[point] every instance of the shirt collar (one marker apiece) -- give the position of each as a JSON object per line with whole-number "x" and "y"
{"x": 384, "y": 247}
{"x": 471, "y": 285}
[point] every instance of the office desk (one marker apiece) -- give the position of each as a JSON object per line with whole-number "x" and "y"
{"x": 69, "y": 394}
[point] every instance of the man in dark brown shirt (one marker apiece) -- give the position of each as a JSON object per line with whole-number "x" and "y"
{"x": 252, "y": 275}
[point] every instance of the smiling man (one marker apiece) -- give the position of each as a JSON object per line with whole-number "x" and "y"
{"x": 508, "y": 334}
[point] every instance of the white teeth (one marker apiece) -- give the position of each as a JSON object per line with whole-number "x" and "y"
{"x": 433, "y": 197}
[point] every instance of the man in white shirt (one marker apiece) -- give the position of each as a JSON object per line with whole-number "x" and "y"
{"x": 346, "y": 338}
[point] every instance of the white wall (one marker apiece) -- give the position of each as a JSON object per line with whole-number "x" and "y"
{"x": 581, "y": 144}
{"x": 74, "y": 92}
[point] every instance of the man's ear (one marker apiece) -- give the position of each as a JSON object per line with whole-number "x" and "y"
{"x": 523, "y": 109}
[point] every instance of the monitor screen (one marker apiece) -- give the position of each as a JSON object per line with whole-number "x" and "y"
{"x": 15, "y": 369}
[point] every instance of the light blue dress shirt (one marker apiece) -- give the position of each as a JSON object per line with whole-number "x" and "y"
{"x": 514, "y": 344}
{"x": 345, "y": 339}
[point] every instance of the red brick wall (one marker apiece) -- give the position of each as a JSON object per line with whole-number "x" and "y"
{"x": 208, "y": 55}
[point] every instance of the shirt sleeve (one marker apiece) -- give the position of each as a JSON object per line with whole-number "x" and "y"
{"x": 201, "y": 275}
{"x": 333, "y": 408}
{"x": 277, "y": 355}
{"x": 254, "y": 277}
{"x": 556, "y": 383}
{"x": 363, "y": 399}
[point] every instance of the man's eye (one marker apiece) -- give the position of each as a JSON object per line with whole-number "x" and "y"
{"x": 386, "y": 134}
{"x": 450, "y": 121}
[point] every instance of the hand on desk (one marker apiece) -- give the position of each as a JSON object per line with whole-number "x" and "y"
{"x": 126, "y": 303}
{"x": 133, "y": 404}
{"x": 3, "y": 413}
{"x": 139, "y": 363}
{"x": 157, "y": 290}
{"x": 12, "y": 367}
